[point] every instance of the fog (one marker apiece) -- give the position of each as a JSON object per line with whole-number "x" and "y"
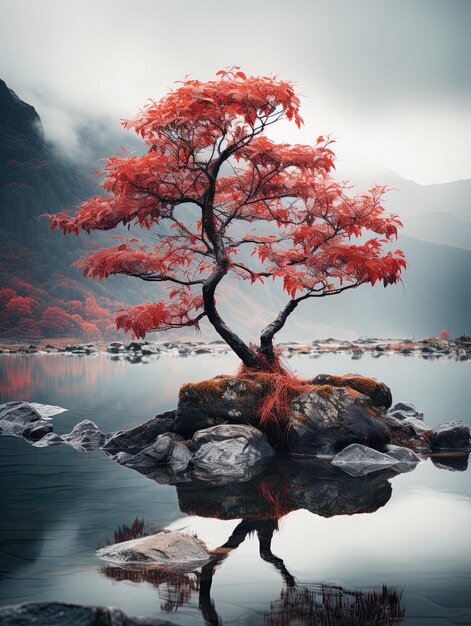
{"x": 389, "y": 80}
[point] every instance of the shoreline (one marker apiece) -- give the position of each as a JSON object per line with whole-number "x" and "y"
{"x": 430, "y": 347}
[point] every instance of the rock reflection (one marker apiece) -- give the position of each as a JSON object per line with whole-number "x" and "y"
{"x": 288, "y": 485}
{"x": 260, "y": 503}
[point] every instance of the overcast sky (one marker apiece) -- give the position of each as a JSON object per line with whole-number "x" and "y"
{"x": 390, "y": 79}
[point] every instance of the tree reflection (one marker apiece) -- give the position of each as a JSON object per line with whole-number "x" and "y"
{"x": 260, "y": 503}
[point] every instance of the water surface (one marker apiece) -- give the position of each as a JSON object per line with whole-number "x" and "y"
{"x": 408, "y": 532}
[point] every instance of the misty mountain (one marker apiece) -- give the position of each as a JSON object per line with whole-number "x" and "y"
{"x": 438, "y": 213}
{"x": 36, "y": 274}
{"x": 41, "y": 293}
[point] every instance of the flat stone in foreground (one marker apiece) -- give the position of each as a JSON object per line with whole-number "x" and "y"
{"x": 168, "y": 549}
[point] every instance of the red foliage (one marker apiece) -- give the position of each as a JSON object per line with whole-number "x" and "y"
{"x": 444, "y": 334}
{"x": 46, "y": 316}
{"x": 207, "y": 146}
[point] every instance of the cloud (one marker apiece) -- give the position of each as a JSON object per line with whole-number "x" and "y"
{"x": 388, "y": 78}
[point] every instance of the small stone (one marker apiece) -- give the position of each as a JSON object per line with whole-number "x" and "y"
{"x": 358, "y": 460}
{"x": 408, "y": 459}
{"x": 416, "y": 424}
{"x": 49, "y": 439}
{"x": 451, "y": 436}
{"x": 85, "y": 436}
{"x": 180, "y": 459}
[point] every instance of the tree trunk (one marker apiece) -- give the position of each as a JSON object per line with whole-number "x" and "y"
{"x": 266, "y": 338}
{"x": 248, "y": 356}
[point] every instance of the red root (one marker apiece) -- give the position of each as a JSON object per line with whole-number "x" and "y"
{"x": 281, "y": 387}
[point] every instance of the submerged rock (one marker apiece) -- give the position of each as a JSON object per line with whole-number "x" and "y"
{"x": 85, "y": 436}
{"x": 169, "y": 549}
{"x": 64, "y": 614}
{"x": 451, "y": 436}
{"x": 358, "y": 460}
{"x": 327, "y": 420}
{"x": 20, "y": 419}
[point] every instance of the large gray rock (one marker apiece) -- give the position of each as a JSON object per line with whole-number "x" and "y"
{"x": 327, "y": 420}
{"x": 232, "y": 451}
{"x": 452, "y": 435}
{"x": 358, "y": 460}
{"x": 169, "y": 549}
{"x": 63, "y": 614}
{"x": 20, "y": 419}
{"x": 136, "y": 439}
{"x": 224, "y": 399}
{"x": 85, "y": 436}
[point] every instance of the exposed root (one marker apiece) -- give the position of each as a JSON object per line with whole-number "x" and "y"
{"x": 280, "y": 386}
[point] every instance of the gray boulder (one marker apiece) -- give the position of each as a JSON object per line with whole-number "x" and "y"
{"x": 169, "y": 549}
{"x": 233, "y": 451}
{"x": 136, "y": 439}
{"x": 358, "y": 460}
{"x": 452, "y": 435}
{"x": 85, "y": 436}
{"x": 20, "y": 419}
{"x": 327, "y": 420}
{"x": 63, "y": 614}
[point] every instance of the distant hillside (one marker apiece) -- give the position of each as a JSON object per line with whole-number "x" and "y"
{"x": 42, "y": 296}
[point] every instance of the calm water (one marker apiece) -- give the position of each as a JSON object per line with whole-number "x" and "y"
{"x": 412, "y": 533}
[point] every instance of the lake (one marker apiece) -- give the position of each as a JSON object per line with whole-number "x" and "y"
{"x": 340, "y": 540}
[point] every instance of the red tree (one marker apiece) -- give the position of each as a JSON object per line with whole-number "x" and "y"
{"x": 207, "y": 149}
